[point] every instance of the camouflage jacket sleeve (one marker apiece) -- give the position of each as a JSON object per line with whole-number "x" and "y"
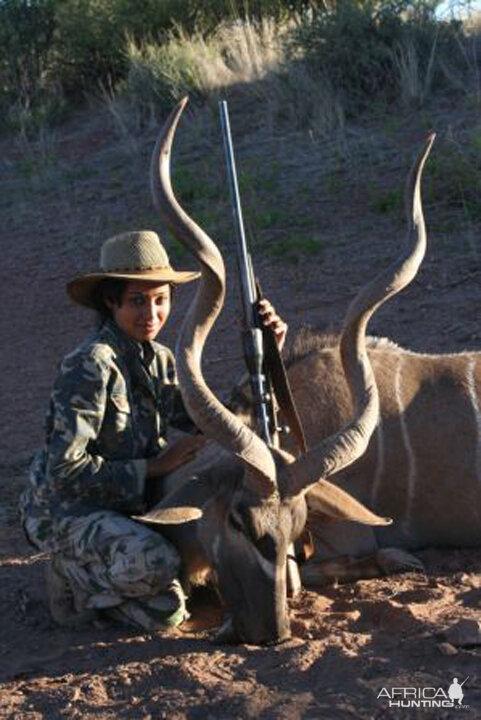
{"x": 78, "y": 468}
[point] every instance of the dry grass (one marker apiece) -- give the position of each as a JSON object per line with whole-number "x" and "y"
{"x": 241, "y": 56}
{"x": 414, "y": 82}
{"x": 237, "y": 53}
{"x": 258, "y": 60}
{"x": 472, "y": 23}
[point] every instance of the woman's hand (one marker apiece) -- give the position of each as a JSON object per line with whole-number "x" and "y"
{"x": 179, "y": 453}
{"x": 271, "y": 319}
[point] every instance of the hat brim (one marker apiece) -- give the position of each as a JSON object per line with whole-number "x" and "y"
{"x": 82, "y": 288}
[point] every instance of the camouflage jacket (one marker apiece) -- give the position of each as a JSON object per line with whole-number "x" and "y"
{"x": 109, "y": 411}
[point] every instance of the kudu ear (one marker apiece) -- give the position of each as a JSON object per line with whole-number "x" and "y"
{"x": 169, "y": 515}
{"x": 326, "y": 498}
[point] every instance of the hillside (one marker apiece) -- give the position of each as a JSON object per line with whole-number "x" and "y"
{"x": 323, "y": 212}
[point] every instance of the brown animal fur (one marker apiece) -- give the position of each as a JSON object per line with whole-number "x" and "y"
{"x": 423, "y": 464}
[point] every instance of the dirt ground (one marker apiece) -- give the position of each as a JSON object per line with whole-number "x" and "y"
{"x": 350, "y": 643}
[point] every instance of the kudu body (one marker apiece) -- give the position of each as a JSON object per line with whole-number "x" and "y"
{"x": 246, "y": 510}
{"x": 422, "y": 467}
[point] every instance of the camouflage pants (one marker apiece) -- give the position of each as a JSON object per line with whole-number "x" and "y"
{"x": 117, "y": 565}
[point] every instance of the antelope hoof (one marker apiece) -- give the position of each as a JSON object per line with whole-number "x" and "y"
{"x": 393, "y": 560}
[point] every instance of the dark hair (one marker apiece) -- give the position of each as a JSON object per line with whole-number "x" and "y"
{"x": 111, "y": 288}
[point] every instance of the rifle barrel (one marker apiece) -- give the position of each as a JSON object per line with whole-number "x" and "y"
{"x": 243, "y": 257}
{"x": 252, "y": 335}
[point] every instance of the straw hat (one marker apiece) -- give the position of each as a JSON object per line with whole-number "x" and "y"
{"x": 130, "y": 256}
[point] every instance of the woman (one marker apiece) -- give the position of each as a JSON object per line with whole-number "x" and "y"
{"x": 106, "y": 446}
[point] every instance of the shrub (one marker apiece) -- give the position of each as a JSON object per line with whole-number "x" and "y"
{"x": 342, "y": 56}
{"x": 161, "y": 73}
{"x": 26, "y": 35}
{"x": 247, "y": 54}
{"x": 237, "y": 53}
{"x": 89, "y": 43}
{"x": 92, "y": 42}
{"x": 370, "y": 50}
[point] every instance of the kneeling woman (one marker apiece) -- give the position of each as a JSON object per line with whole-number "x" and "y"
{"x": 106, "y": 446}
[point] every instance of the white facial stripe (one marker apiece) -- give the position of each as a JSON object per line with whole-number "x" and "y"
{"x": 216, "y": 547}
{"x": 412, "y": 469}
{"x": 379, "y": 464}
{"x": 471, "y": 380}
{"x": 268, "y": 567}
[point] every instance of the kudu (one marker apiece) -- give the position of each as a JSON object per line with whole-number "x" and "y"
{"x": 248, "y": 508}
{"x": 422, "y": 466}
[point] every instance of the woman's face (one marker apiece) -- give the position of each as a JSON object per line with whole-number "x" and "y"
{"x": 144, "y": 310}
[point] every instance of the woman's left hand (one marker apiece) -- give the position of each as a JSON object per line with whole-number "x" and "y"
{"x": 271, "y": 319}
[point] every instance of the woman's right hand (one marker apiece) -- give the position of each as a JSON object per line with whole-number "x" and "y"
{"x": 179, "y": 453}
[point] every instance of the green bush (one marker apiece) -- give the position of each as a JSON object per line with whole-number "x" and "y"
{"x": 237, "y": 53}
{"x": 89, "y": 43}
{"x": 91, "y": 35}
{"x": 358, "y": 45}
{"x": 84, "y": 42}
{"x": 160, "y": 74}
{"x": 26, "y": 35}
{"x": 150, "y": 17}
{"x": 343, "y": 55}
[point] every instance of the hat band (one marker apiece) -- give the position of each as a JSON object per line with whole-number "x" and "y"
{"x": 136, "y": 269}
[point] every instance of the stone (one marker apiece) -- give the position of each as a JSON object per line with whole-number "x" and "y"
{"x": 447, "y": 649}
{"x": 463, "y": 633}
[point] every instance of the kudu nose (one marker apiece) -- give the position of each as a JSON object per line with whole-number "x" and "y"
{"x": 228, "y": 634}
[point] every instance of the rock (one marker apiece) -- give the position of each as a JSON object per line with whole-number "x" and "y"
{"x": 463, "y": 633}
{"x": 472, "y": 580}
{"x": 447, "y": 649}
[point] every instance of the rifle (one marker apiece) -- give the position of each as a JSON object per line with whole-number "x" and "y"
{"x": 252, "y": 339}
{"x": 257, "y": 338}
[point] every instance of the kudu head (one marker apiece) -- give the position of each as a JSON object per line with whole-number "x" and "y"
{"x": 255, "y": 512}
